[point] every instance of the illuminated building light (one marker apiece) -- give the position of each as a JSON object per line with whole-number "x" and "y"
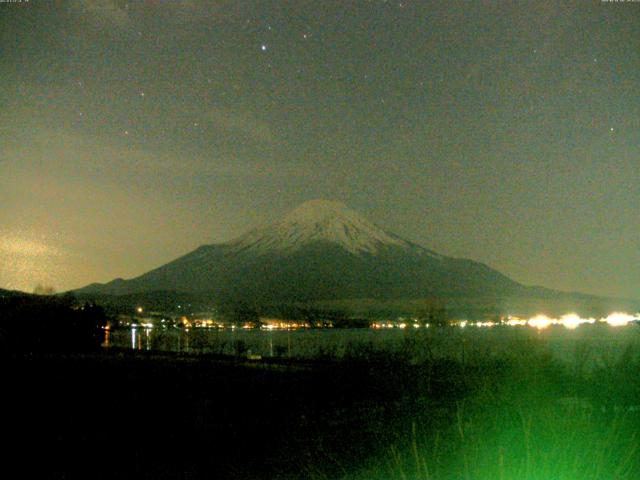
{"x": 485, "y": 324}
{"x": 573, "y": 321}
{"x": 620, "y": 319}
{"x": 540, "y": 322}
{"x": 515, "y": 321}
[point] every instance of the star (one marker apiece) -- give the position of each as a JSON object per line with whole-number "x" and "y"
{"x": 611, "y": 129}
{"x": 142, "y": 94}
{"x": 126, "y": 132}
{"x": 263, "y": 47}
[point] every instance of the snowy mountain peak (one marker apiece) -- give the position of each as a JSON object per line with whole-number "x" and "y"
{"x": 319, "y": 220}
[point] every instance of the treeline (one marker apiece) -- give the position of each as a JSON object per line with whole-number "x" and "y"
{"x": 242, "y": 313}
{"x": 35, "y": 323}
{"x": 303, "y": 313}
{"x": 158, "y": 301}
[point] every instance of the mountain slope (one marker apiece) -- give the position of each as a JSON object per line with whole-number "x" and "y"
{"x": 321, "y": 250}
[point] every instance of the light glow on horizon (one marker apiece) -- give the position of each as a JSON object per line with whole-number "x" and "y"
{"x": 571, "y": 321}
{"x": 621, "y": 319}
{"x": 541, "y": 321}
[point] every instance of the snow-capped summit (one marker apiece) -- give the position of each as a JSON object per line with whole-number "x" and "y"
{"x": 319, "y": 220}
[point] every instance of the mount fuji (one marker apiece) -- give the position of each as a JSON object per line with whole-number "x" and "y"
{"x": 322, "y": 250}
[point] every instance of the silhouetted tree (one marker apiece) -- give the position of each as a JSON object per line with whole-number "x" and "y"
{"x": 49, "y": 323}
{"x": 44, "y": 290}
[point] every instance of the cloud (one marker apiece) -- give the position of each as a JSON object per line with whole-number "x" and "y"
{"x": 131, "y": 164}
{"x": 28, "y": 257}
{"x": 123, "y": 15}
{"x": 106, "y": 12}
{"x": 239, "y": 122}
{"x": 27, "y": 245}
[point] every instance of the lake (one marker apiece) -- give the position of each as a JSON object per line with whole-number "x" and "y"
{"x": 588, "y": 345}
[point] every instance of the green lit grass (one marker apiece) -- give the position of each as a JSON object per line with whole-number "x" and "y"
{"x": 523, "y": 416}
{"x": 538, "y": 443}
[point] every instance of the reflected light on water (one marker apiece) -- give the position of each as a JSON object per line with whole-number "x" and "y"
{"x": 136, "y": 338}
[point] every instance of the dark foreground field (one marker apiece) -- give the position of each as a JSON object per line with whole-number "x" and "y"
{"x": 126, "y": 415}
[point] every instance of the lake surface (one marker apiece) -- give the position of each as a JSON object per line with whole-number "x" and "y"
{"x": 589, "y": 345}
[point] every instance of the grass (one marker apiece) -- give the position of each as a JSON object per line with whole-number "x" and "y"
{"x": 525, "y": 416}
{"x": 539, "y": 443}
{"x": 496, "y": 411}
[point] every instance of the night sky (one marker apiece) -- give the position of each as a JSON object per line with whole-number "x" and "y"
{"x": 131, "y": 133}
